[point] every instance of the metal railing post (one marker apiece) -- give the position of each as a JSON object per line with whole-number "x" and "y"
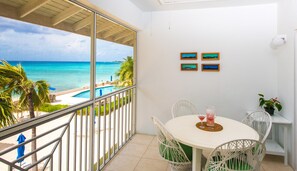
{"x": 104, "y": 131}
{"x": 75, "y": 142}
{"x": 114, "y": 125}
{"x": 109, "y": 128}
{"x": 99, "y": 135}
{"x": 134, "y": 110}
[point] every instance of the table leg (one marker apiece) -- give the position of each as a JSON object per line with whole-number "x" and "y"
{"x": 274, "y": 132}
{"x": 286, "y": 144}
{"x": 196, "y": 163}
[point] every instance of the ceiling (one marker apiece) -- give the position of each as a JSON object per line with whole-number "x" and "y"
{"x": 64, "y": 15}
{"x": 159, "y": 5}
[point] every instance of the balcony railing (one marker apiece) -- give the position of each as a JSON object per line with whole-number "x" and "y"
{"x": 83, "y": 137}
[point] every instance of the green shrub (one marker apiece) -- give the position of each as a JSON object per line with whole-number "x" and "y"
{"x": 51, "y": 108}
{"x": 109, "y": 105}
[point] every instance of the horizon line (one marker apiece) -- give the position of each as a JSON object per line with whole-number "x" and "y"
{"x": 56, "y": 61}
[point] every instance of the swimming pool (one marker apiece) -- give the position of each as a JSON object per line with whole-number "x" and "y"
{"x": 105, "y": 90}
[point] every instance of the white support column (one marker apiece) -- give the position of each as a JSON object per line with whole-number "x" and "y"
{"x": 92, "y": 92}
{"x": 134, "y": 101}
{"x": 135, "y": 59}
{"x": 294, "y": 128}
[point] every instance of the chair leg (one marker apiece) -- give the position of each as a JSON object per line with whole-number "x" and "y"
{"x": 174, "y": 167}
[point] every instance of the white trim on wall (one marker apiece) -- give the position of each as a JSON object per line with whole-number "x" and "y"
{"x": 295, "y": 102}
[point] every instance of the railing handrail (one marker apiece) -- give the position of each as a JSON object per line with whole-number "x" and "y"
{"x": 23, "y": 126}
{"x": 114, "y": 92}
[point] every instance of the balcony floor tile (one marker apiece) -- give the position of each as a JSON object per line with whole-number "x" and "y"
{"x": 142, "y": 139}
{"x": 151, "y": 165}
{"x": 122, "y": 163}
{"x": 135, "y": 150}
{"x": 141, "y": 154}
{"x": 275, "y": 163}
{"x": 154, "y": 142}
{"x": 152, "y": 152}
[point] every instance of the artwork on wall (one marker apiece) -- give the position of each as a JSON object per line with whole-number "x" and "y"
{"x": 210, "y": 56}
{"x": 189, "y": 67}
{"x": 188, "y": 55}
{"x": 210, "y": 67}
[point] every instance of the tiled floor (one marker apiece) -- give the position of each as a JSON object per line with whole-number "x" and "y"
{"x": 141, "y": 154}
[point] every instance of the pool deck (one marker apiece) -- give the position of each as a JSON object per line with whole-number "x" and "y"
{"x": 63, "y": 97}
{"x": 66, "y": 97}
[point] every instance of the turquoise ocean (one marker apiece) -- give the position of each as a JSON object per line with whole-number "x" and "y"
{"x": 68, "y": 75}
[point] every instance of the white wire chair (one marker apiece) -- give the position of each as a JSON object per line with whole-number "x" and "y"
{"x": 261, "y": 122}
{"x": 236, "y": 155}
{"x": 170, "y": 149}
{"x": 183, "y": 107}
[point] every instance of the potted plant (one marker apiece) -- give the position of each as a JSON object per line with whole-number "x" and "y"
{"x": 269, "y": 105}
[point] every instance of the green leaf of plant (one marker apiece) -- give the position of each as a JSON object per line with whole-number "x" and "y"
{"x": 278, "y": 106}
{"x": 269, "y": 104}
{"x": 272, "y": 103}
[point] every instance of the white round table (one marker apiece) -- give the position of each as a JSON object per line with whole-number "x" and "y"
{"x": 185, "y": 131}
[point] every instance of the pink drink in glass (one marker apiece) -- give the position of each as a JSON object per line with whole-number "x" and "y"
{"x": 201, "y": 117}
{"x": 210, "y": 119}
{"x": 210, "y": 116}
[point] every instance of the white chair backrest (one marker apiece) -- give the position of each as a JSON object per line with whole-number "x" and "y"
{"x": 168, "y": 146}
{"x": 183, "y": 107}
{"x": 239, "y": 154}
{"x": 261, "y": 122}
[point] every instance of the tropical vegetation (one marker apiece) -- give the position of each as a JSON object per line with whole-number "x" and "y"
{"x": 125, "y": 73}
{"x": 47, "y": 107}
{"x": 6, "y": 110}
{"x": 31, "y": 94}
{"x": 109, "y": 106}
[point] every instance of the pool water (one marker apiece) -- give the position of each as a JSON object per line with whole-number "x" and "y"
{"x": 105, "y": 90}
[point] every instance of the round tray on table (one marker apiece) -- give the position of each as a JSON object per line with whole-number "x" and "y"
{"x": 216, "y": 128}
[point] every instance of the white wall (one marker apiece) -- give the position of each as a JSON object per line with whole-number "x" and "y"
{"x": 241, "y": 34}
{"x": 248, "y": 65}
{"x": 287, "y": 24}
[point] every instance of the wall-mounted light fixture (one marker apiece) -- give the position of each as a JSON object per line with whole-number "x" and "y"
{"x": 278, "y": 41}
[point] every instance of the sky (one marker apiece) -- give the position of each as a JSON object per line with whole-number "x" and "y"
{"x": 20, "y": 41}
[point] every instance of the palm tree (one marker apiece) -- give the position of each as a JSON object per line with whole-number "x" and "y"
{"x": 31, "y": 94}
{"x": 125, "y": 73}
{"x": 6, "y": 110}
